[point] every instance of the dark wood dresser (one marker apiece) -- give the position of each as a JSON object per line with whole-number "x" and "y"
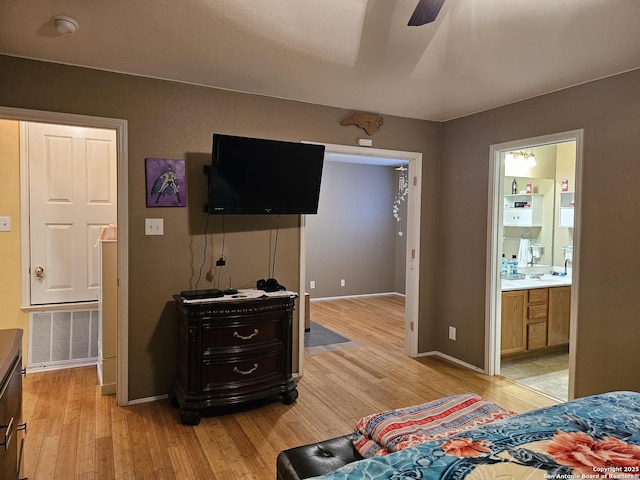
{"x": 232, "y": 351}
{"x": 10, "y": 403}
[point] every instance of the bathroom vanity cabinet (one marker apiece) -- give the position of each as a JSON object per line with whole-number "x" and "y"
{"x": 535, "y": 319}
{"x": 559, "y": 311}
{"x": 513, "y": 322}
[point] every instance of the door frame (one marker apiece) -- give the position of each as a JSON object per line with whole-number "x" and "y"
{"x": 121, "y": 128}
{"x": 412, "y": 272}
{"x": 494, "y": 249}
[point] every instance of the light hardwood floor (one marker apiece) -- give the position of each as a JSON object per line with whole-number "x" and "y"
{"x": 75, "y": 433}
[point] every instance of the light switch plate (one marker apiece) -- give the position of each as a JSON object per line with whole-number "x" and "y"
{"x": 5, "y": 224}
{"x": 154, "y": 226}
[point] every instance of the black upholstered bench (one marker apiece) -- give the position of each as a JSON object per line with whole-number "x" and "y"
{"x": 315, "y": 459}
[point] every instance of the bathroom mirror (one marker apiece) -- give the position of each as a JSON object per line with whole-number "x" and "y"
{"x": 540, "y": 212}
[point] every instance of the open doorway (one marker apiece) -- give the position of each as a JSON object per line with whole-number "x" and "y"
{"x": 411, "y": 165}
{"x": 120, "y": 128}
{"x": 533, "y": 262}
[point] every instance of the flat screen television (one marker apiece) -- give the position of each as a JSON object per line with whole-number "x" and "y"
{"x": 259, "y": 176}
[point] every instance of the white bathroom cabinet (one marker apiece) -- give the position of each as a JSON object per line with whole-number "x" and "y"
{"x": 567, "y": 203}
{"x": 529, "y": 216}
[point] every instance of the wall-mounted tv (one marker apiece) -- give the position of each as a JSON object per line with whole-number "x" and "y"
{"x": 258, "y": 176}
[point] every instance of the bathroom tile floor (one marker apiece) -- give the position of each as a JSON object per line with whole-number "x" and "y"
{"x": 548, "y": 374}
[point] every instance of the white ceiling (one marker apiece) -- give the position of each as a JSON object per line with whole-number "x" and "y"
{"x": 355, "y": 54}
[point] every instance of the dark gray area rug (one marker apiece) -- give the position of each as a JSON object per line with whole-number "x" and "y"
{"x": 318, "y": 336}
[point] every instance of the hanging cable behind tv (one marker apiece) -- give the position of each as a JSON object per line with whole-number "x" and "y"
{"x": 199, "y": 294}
{"x": 271, "y": 284}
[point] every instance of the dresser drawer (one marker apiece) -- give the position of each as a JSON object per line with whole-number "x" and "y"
{"x": 241, "y": 334}
{"x": 222, "y": 373}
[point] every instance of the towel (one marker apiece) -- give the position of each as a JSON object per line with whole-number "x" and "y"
{"x": 524, "y": 252}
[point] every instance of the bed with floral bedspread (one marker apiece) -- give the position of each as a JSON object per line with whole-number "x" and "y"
{"x": 592, "y": 437}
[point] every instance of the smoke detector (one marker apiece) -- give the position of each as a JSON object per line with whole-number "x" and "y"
{"x": 64, "y": 24}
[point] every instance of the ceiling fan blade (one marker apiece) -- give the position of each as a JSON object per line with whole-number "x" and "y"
{"x": 425, "y": 12}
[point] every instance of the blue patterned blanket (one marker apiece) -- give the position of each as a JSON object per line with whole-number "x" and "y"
{"x": 592, "y": 437}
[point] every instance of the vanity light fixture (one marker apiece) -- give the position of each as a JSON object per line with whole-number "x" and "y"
{"x": 64, "y": 24}
{"x": 528, "y": 158}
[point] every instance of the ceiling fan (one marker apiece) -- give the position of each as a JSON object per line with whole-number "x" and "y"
{"x": 425, "y": 12}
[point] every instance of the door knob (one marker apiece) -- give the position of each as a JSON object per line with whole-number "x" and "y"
{"x": 39, "y": 271}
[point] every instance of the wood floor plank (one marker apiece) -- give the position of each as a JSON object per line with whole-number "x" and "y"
{"x": 67, "y": 451}
{"x": 255, "y": 436}
{"x": 104, "y": 459}
{"x": 87, "y": 432}
{"x": 153, "y": 417}
{"x": 142, "y": 460}
{"x": 48, "y": 458}
{"x": 196, "y": 454}
{"x": 123, "y": 460}
{"x": 103, "y": 405}
{"x": 75, "y": 432}
{"x": 180, "y": 462}
{"x": 211, "y": 448}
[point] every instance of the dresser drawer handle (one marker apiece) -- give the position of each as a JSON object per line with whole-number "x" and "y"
{"x": 8, "y": 433}
{"x": 246, "y": 372}
{"x": 241, "y": 337}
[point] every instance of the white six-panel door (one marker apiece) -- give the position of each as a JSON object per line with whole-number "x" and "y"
{"x": 72, "y": 172}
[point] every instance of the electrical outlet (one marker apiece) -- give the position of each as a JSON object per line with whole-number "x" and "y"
{"x": 343, "y": 282}
{"x": 312, "y": 284}
{"x": 154, "y": 226}
{"x": 452, "y": 333}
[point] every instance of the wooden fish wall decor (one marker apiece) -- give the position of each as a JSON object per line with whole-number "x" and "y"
{"x": 369, "y": 122}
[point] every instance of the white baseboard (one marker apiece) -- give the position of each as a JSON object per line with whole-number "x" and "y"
{"x": 451, "y": 359}
{"x": 358, "y": 296}
{"x": 147, "y": 399}
{"x": 59, "y": 366}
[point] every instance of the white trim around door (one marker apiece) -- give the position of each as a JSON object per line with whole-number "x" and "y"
{"x": 120, "y": 126}
{"x": 413, "y": 243}
{"x": 494, "y": 228}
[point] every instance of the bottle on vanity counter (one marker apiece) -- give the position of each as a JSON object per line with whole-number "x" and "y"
{"x": 512, "y": 267}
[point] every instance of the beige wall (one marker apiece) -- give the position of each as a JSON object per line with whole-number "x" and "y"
{"x": 174, "y": 120}
{"x": 608, "y": 334}
{"x": 10, "y": 278}
{"x": 353, "y": 235}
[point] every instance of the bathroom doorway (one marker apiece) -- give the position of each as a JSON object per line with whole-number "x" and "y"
{"x": 532, "y": 291}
